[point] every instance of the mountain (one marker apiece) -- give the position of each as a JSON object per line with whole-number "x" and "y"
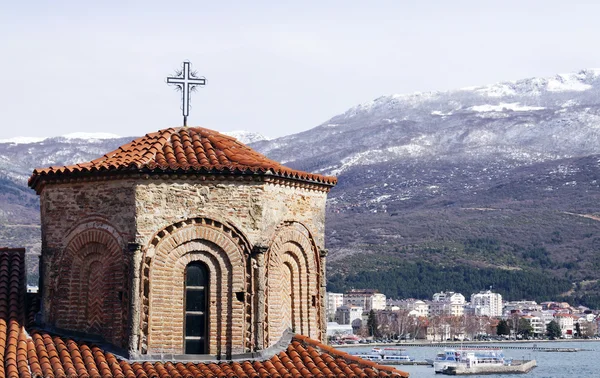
{"x": 501, "y": 177}
{"x": 522, "y": 121}
{"x": 457, "y": 190}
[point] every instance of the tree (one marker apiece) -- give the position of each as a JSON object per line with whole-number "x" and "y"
{"x": 525, "y": 327}
{"x": 577, "y": 329}
{"x": 553, "y": 330}
{"x": 503, "y": 328}
{"x": 589, "y": 329}
{"x": 372, "y": 325}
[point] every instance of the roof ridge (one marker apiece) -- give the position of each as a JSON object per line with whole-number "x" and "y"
{"x": 187, "y": 149}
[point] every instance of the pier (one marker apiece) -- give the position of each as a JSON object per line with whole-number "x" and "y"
{"x": 517, "y": 367}
{"x": 504, "y": 346}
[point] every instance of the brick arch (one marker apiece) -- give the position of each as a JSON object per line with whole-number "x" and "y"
{"x": 88, "y": 288}
{"x": 292, "y": 247}
{"x": 225, "y": 252}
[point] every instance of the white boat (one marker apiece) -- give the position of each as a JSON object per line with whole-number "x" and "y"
{"x": 370, "y": 357}
{"x": 389, "y": 351}
{"x": 392, "y": 354}
{"x": 398, "y": 358}
{"x": 469, "y": 358}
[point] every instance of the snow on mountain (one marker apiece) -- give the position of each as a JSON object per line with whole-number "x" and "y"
{"x": 522, "y": 122}
{"x": 71, "y": 136}
{"x": 504, "y": 106}
{"x": 22, "y": 140}
{"x": 246, "y": 137}
{"x": 88, "y": 136}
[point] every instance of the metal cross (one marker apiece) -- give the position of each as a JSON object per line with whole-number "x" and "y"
{"x": 186, "y": 84}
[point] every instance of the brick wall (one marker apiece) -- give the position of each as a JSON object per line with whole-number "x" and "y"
{"x": 85, "y": 266}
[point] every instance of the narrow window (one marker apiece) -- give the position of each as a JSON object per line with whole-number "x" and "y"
{"x": 196, "y": 314}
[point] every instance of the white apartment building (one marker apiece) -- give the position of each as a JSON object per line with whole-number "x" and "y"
{"x": 486, "y": 303}
{"x": 537, "y": 324}
{"x": 334, "y": 300}
{"x": 348, "y": 314}
{"x": 567, "y": 324}
{"x": 368, "y": 299}
{"x": 415, "y": 307}
{"x": 447, "y": 303}
{"x": 545, "y": 316}
{"x": 521, "y": 306}
{"x": 334, "y": 329}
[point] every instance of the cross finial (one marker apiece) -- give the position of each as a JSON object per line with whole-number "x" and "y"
{"x": 186, "y": 80}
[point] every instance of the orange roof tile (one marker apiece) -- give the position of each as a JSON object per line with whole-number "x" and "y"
{"x": 182, "y": 150}
{"x": 41, "y": 354}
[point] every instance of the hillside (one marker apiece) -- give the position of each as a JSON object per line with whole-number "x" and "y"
{"x": 493, "y": 185}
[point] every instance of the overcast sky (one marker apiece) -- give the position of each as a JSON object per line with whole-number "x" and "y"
{"x": 271, "y": 67}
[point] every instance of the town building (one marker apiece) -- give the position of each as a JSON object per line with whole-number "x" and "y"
{"x": 339, "y": 330}
{"x": 521, "y": 307}
{"x": 538, "y": 327}
{"x": 447, "y": 303}
{"x": 348, "y": 314}
{"x": 334, "y": 300}
{"x": 368, "y": 299}
{"x": 415, "y": 307}
{"x": 566, "y": 322}
{"x": 486, "y": 303}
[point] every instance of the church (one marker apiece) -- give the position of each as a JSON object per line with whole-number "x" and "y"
{"x": 183, "y": 253}
{"x": 184, "y": 241}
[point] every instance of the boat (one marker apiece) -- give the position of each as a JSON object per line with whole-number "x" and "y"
{"x": 389, "y": 351}
{"x": 398, "y": 358}
{"x": 392, "y": 354}
{"x": 370, "y": 357}
{"x": 469, "y": 358}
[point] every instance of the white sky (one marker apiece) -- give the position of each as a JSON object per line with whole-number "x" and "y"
{"x": 271, "y": 67}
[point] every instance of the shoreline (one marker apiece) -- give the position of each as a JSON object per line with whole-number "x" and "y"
{"x": 439, "y": 343}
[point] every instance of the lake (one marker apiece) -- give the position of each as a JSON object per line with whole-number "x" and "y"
{"x": 549, "y": 364}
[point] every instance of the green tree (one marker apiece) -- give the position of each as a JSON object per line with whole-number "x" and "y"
{"x": 503, "y": 328}
{"x": 553, "y": 330}
{"x": 372, "y": 324}
{"x": 577, "y": 329}
{"x": 525, "y": 327}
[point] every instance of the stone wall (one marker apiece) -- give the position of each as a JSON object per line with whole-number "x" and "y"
{"x": 115, "y": 252}
{"x": 255, "y": 208}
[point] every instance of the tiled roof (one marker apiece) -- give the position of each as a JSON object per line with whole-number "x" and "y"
{"x": 38, "y": 353}
{"x": 182, "y": 150}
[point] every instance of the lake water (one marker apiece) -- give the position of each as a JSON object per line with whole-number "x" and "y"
{"x": 549, "y": 364}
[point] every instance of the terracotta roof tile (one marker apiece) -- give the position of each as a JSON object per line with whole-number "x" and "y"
{"x": 181, "y": 149}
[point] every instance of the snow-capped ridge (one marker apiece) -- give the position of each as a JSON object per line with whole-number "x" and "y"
{"x": 70, "y": 136}
{"x": 530, "y": 88}
{"x": 246, "y": 137}
{"x": 22, "y": 140}
{"x": 515, "y": 106}
{"x": 88, "y": 136}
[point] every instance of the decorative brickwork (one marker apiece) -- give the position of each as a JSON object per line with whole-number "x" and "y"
{"x": 293, "y": 276}
{"x": 225, "y": 252}
{"x": 88, "y": 292}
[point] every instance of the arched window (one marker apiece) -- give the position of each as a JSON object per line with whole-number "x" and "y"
{"x": 196, "y": 308}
